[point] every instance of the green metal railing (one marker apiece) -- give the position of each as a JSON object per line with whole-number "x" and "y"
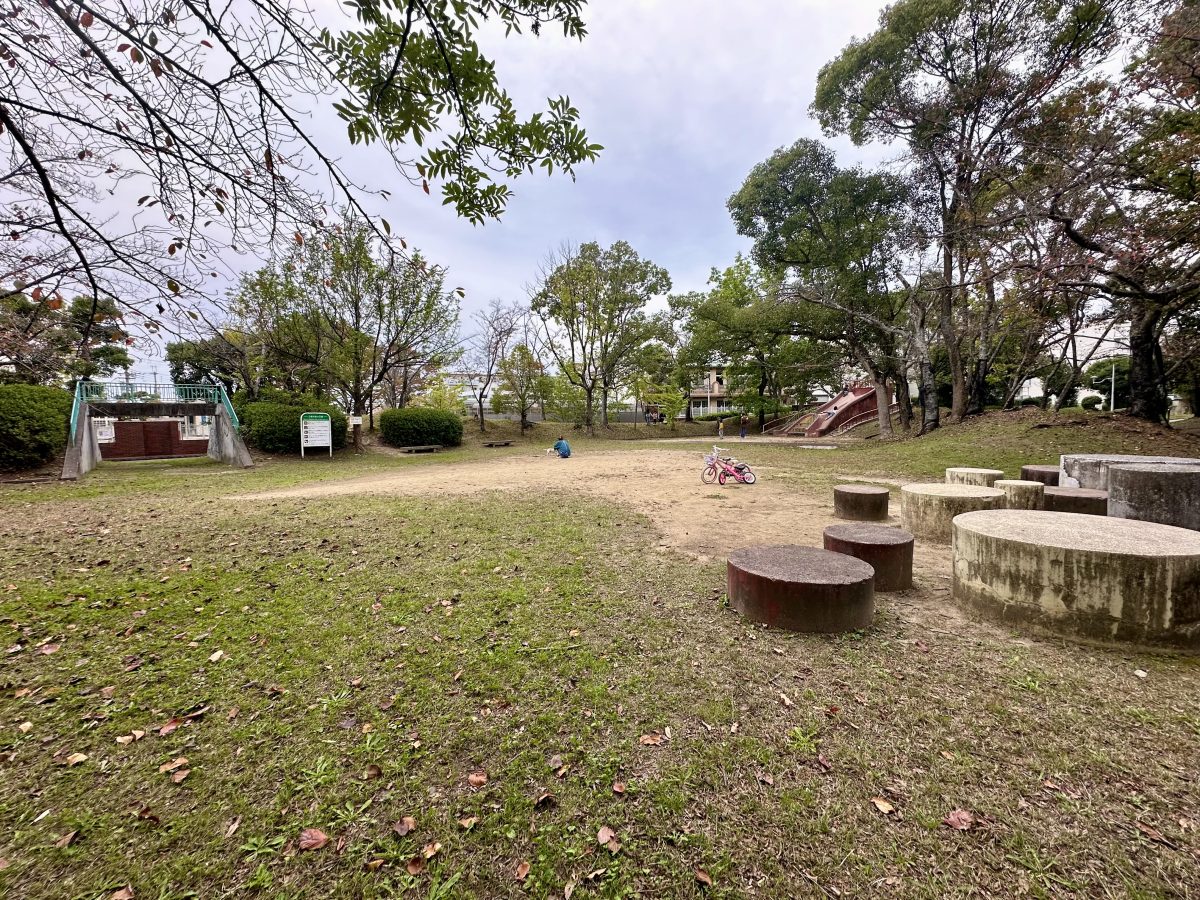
{"x": 135, "y": 392}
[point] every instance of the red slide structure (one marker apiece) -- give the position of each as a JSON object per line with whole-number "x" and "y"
{"x": 853, "y": 402}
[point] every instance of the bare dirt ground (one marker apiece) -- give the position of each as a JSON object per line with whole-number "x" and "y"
{"x": 704, "y": 521}
{"x": 664, "y": 485}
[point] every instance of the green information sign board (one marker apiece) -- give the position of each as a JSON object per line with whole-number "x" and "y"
{"x": 316, "y": 430}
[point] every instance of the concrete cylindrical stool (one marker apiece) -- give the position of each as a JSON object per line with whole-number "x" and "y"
{"x": 1169, "y": 495}
{"x": 1047, "y": 475}
{"x": 801, "y": 588}
{"x": 1112, "y": 579}
{"x": 1090, "y": 470}
{"x": 926, "y": 510}
{"x": 889, "y": 551}
{"x": 1076, "y": 500}
{"x": 1020, "y": 494}
{"x": 861, "y": 502}
{"x": 967, "y": 475}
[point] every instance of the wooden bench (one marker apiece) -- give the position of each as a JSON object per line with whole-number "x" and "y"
{"x": 497, "y": 443}
{"x": 422, "y": 448}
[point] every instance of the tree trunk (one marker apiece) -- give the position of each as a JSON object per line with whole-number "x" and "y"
{"x": 930, "y": 414}
{"x": 1147, "y": 396}
{"x": 357, "y": 404}
{"x": 958, "y": 403}
{"x": 883, "y": 403}
{"x": 903, "y": 400}
{"x": 479, "y": 408}
{"x": 589, "y": 410}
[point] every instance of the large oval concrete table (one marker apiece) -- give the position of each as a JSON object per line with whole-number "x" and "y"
{"x": 1081, "y": 575}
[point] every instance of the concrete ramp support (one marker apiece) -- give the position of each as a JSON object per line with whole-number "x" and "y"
{"x": 225, "y": 444}
{"x": 84, "y": 453}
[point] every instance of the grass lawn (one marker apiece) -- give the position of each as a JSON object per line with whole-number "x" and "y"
{"x": 524, "y": 694}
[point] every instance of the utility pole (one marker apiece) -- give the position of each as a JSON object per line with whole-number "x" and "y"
{"x": 1112, "y": 389}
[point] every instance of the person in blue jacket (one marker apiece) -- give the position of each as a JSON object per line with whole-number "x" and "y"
{"x": 562, "y": 447}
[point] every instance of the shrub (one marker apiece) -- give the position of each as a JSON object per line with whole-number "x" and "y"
{"x": 273, "y": 425}
{"x": 34, "y": 424}
{"x": 714, "y": 416}
{"x": 414, "y": 426}
{"x": 1032, "y": 401}
{"x": 1090, "y": 403}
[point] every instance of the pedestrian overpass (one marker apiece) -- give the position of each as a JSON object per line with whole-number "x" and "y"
{"x": 147, "y": 403}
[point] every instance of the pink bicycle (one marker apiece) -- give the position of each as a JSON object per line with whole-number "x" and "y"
{"x": 720, "y": 468}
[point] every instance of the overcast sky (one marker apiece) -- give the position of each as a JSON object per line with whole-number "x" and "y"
{"x": 685, "y": 95}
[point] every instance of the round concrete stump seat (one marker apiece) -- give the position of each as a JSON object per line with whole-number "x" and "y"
{"x": 889, "y": 551}
{"x": 927, "y": 510}
{"x": 1047, "y": 475}
{"x": 968, "y": 475}
{"x": 1075, "y": 500}
{"x": 801, "y": 588}
{"x": 1021, "y": 494}
{"x": 1169, "y": 495}
{"x": 861, "y": 502}
{"x": 1108, "y": 579}
{"x": 1090, "y": 470}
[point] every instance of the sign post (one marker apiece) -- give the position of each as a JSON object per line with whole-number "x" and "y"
{"x": 315, "y": 431}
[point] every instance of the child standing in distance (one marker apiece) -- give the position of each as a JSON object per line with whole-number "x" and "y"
{"x": 720, "y": 428}
{"x": 745, "y": 423}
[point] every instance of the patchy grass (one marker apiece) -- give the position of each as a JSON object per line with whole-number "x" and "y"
{"x": 537, "y": 639}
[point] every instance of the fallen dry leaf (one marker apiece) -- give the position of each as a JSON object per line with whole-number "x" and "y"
{"x": 173, "y": 764}
{"x": 883, "y": 806}
{"x": 217, "y": 657}
{"x": 125, "y": 893}
{"x": 76, "y": 758}
{"x": 1155, "y": 835}
{"x": 66, "y": 840}
{"x": 556, "y": 762}
{"x": 604, "y": 835}
{"x": 169, "y": 726}
{"x": 430, "y": 850}
{"x": 703, "y": 878}
{"x": 545, "y": 800}
{"x": 25, "y": 727}
{"x": 569, "y": 889}
{"x": 652, "y": 740}
{"x": 959, "y": 819}
{"x": 786, "y": 700}
{"x": 373, "y": 865}
{"x": 415, "y": 866}
{"x": 179, "y": 775}
{"x": 522, "y": 871}
{"x": 618, "y": 787}
{"x": 824, "y": 763}
{"x": 47, "y": 649}
{"x": 3, "y": 863}
{"x": 233, "y": 713}
{"x": 373, "y": 771}
{"x": 766, "y": 778}
{"x": 232, "y": 827}
{"x": 404, "y": 826}
{"x": 477, "y": 779}
{"x": 313, "y": 839}
{"x": 468, "y": 823}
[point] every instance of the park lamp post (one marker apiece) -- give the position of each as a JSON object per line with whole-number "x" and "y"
{"x": 1112, "y": 386}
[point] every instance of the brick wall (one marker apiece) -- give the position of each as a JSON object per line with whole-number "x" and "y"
{"x": 150, "y": 440}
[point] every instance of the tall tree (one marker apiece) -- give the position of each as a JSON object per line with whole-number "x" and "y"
{"x": 836, "y": 231}
{"x": 955, "y": 81}
{"x": 592, "y": 305}
{"x": 351, "y": 311}
{"x": 193, "y": 115}
{"x": 487, "y": 348}
{"x": 44, "y": 341}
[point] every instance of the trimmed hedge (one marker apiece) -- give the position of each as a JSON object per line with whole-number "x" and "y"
{"x": 712, "y": 417}
{"x": 415, "y": 426}
{"x": 1091, "y": 402}
{"x": 34, "y": 424}
{"x": 273, "y": 425}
